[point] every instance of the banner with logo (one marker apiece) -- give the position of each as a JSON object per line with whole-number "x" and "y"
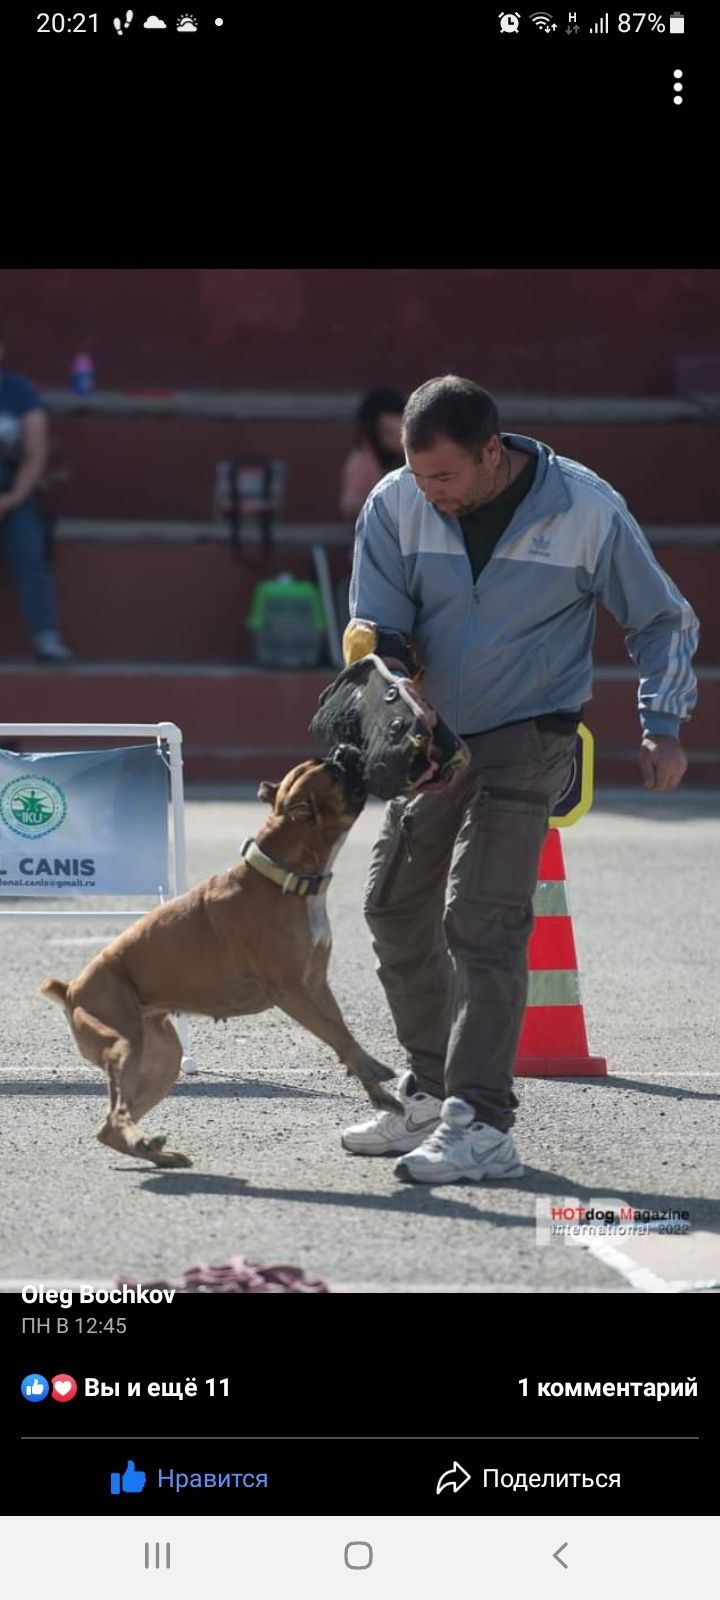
{"x": 84, "y": 822}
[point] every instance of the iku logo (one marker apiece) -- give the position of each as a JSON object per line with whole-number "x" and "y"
{"x": 32, "y": 807}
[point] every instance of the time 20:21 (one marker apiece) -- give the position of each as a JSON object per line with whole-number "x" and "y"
{"x": 57, "y": 22}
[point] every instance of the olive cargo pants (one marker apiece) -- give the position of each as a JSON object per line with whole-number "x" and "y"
{"x": 449, "y": 905}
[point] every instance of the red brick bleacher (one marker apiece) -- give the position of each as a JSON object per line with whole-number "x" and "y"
{"x": 156, "y": 611}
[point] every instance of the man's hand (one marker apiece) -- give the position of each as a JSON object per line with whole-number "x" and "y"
{"x": 7, "y": 503}
{"x": 663, "y": 762}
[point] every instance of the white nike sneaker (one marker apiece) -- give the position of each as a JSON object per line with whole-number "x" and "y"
{"x": 461, "y": 1147}
{"x": 390, "y": 1133}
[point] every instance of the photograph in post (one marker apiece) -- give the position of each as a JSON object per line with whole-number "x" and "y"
{"x": 358, "y": 779}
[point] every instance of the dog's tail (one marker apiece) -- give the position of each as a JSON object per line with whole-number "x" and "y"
{"x": 55, "y": 990}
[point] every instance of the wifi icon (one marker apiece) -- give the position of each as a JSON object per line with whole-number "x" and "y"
{"x": 542, "y": 20}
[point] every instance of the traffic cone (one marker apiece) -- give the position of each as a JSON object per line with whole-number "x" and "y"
{"x": 553, "y": 1041}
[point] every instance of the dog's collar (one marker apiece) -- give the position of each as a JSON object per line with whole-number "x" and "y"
{"x": 290, "y": 882}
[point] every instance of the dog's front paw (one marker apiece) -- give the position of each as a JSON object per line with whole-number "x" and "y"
{"x": 383, "y": 1099}
{"x": 372, "y": 1075}
{"x": 369, "y": 1071}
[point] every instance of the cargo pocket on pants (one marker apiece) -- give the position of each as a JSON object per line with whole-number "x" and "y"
{"x": 389, "y": 853}
{"x": 498, "y": 851}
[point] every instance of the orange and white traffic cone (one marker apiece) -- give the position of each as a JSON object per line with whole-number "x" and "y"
{"x": 553, "y": 1042}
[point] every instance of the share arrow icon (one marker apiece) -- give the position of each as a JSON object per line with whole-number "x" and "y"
{"x": 456, "y": 1478}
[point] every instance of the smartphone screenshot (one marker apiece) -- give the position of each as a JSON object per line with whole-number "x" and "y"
{"x": 359, "y": 783}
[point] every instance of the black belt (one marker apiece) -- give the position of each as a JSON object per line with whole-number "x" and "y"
{"x": 554, "y": 721}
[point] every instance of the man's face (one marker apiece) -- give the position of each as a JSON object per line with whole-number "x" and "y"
{"x": 453, "y": 478}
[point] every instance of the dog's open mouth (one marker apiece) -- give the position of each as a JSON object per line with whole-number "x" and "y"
{"x": 346, "y": 761}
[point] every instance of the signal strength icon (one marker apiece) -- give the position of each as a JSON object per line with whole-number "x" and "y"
{"x": 541, "y": 20}
{"x": 603, "y": 26}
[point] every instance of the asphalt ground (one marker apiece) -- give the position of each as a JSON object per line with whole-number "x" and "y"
{"x": 270, "y": 1180}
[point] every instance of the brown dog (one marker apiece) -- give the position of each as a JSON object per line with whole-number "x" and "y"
{"x": 253, "y": 937}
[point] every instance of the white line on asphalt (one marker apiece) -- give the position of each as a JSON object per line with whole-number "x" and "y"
{"x": 661, "y": 1073}
{"x": 643, "y": 1279}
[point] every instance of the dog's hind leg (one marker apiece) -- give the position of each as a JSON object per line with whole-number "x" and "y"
{"x": 160, "y": 1066}
{"x": 318, "y": 1011}
{"x": 121, "y": 1058}
{"x": 159, "y": 1070}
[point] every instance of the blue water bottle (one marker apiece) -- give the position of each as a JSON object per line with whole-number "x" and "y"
{"x": 83, "y": 374}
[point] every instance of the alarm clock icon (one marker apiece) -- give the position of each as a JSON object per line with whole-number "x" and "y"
{"x": 509, "y": 21}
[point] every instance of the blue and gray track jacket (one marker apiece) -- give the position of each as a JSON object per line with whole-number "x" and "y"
{"x": 517, "y": 643}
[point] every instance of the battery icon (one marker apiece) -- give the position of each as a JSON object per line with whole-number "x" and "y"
{"x": 677, "y": 22}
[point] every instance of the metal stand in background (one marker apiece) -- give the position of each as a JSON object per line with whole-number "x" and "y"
{"x": 322, "y": 573}
{"x": 250, "y": 488}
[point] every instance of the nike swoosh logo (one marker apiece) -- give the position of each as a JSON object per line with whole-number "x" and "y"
{"x": 491, "y": 1158}
{"x": 414, "y": 1127}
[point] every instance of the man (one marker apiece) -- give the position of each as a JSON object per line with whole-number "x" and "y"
{"x": 486, "y": 554}
{"x": 23, "y": 457}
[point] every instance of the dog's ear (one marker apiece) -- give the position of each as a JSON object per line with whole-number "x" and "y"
{"x": 268, "y": 791}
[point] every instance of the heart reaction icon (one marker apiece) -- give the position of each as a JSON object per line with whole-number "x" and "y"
{"x": 64, "y": 1387}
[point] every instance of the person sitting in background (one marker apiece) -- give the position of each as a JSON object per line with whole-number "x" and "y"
{"x": 23, "y": 544}
{"x": 377, "y": 449}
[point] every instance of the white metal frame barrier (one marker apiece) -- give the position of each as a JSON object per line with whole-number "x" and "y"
{"x": 162, "y": 732}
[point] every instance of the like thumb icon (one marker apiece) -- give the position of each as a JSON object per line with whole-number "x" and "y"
{"x": 133, "y": 1482}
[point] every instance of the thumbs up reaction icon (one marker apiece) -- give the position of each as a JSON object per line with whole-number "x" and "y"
{"x": 133, "y": 1482}
{"x": 34, "y": 1387}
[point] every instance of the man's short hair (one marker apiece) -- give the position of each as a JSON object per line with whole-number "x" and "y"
{"x": 455, "y": 408}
